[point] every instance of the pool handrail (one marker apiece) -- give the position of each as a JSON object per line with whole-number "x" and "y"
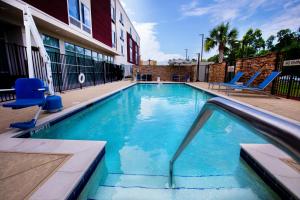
{"x": 283, "y": 132}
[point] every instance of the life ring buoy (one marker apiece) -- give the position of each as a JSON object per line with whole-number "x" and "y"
{"x": 81, "y": 78}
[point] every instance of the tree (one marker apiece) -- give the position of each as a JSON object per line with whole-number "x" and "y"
{"x": 220, "y": 36}
{"x": 270, "y": 42}
{"x": 214, "y": 59}
{"x": 287, "y": 40}
{"x": 252, "y": 43}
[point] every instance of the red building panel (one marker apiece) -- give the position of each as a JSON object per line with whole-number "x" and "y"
{"x": 55, "y": 8}
{"x": 101, "y": 21}
{"x": 134, "y": 45}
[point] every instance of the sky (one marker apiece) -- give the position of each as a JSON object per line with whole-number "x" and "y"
{"x": 168, "y": 27}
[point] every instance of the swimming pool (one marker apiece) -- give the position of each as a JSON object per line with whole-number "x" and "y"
{"x": 143, "y": 126}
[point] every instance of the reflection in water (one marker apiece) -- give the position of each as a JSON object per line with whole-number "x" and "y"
{"x": 142, "y": 161}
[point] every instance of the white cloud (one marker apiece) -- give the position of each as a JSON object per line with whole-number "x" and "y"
{"x": 222, "y": 10}
{"x": 289, "y": 18}
{"x": 130, "y": 12}
{"x": 150, "y": 46}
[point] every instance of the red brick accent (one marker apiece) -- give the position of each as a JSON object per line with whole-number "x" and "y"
{"x": 55, "y": 8}
{"x": 134, "y": 45}
{"x": 101, "y": 21}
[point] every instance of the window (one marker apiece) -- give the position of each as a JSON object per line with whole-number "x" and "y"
{"x": 136, "y": 54}
{"x": 85, "y": 13}
{"x": 121, "y": 18}
{"x": 113, "y": 39}
{"x": 122, "y": 35}
{"x": 51, "y": 44}
{"x": 87, "y": 53}
{"x": 79, "y": 51}
{"x": 130, "y": 51}
{"x": 79, "y": 15}
{"x": 74, "y": 9}
{"x": 95, "y": 56}
{"x": 100, "y": 57}
{"x": 113, "y": 12}
{"x": 122, "y": 49}
{"x": 130, "y": 31}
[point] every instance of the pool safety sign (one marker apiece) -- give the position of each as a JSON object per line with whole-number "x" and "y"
{"x": 291, "y": 62}
{"x": 230, "y": 69}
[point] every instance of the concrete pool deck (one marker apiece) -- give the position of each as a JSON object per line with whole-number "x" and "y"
{"x": 287, "y": 108}
{"x": 72, "y": 100}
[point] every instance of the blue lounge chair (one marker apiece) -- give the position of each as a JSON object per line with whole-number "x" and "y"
{"x": 231, "y": 82}
{"x": 29, "y": 92}
{"x": 262, "y": 85}
{"x": 245, "y": 85}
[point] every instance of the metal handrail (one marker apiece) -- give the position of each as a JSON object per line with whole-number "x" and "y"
{"x": 284, "y": 133}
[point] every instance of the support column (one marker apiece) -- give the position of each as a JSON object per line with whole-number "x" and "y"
{"x": 28, "y": 45}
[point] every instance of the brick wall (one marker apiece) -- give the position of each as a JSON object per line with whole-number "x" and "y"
{"x": 251, "y": 65}
{"x": 166, "y": 72}
{"x": 217, "y": 72}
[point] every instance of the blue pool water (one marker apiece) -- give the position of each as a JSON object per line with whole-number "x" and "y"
{"x": 143, "y": 126}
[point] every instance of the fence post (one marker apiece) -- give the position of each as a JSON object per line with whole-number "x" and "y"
{"x": 275, "y": 83}
{"x": 290, "y": 86}
{"x": 104, "y": 72}
{"x": 94, "y": 75}
{"x": 78, "y": 69}
{"x": 57, "y": 76}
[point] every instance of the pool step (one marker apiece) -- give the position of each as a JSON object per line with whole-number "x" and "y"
{"x": 131, "y": 186}
{"x": 157, "y": 181}
{"x": 135, "y": 193}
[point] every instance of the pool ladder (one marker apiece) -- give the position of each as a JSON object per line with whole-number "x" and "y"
{"x": 281, "y": 131}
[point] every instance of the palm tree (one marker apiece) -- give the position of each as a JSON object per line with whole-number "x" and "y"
{"x": 221, "y": 36}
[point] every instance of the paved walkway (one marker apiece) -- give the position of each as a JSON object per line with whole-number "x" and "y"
{"x": 285, "y": 107}
{"x": 22, "y": 173}
{"x": 69, "y": 98}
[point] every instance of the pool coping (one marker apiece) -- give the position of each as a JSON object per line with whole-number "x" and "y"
{"x": 267, "y": 161}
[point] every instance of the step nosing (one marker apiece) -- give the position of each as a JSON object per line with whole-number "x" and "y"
{"x": 160, "y": 175}
{"x": 165, "y": 188}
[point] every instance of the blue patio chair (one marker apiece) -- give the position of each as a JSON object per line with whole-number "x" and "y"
{"x": 245, "y": 85}
{"x": 262, "y": 85}
{"x": 175, "y": 78}
{"x": 144, "y": 77}
{"x": 186, "y": 77}
{"x": 29, "y": 92}
{"x": 231, "y": 82}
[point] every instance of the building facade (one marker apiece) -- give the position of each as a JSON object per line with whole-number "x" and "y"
{"x": 98, "y": 29}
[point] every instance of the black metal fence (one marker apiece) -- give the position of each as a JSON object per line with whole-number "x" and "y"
{"x": 65, "y": 69}
{"x": 13, "y": 65}
{"x": 288, "y": 83}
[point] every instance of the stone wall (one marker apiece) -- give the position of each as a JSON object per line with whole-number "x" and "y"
{"x": 249, "y": 66}
{"x": 217, "y": 72}
{"x": 166, "y": 72}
